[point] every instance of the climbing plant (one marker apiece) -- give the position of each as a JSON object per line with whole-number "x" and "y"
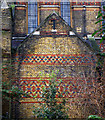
{"x": 101, "y": 29}
{"x": 51, "y": 109}
{"x": 10, "y": 91}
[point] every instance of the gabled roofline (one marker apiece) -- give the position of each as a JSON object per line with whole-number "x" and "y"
{"x": 42, "y": 23}
{"x": 71, "y": 29}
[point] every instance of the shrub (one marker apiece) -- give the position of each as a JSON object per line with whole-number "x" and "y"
{"x": 51, "y": 109}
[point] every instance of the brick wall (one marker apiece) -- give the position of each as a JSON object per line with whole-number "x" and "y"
{"x": 61, "y": 52}
{"x": 68, "y": 55}
{"x": 6, "y": 42}
{"x": 6, "y": 19}
{"x": 44, "y": 13}
{"x": 84, "y": 20}
{"x": 20, "y": 21}
{"x": 6, "y": 52}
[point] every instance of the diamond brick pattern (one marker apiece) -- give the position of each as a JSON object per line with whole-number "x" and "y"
{"x": 56, "y": 59}
{"x": 67, "y": 88}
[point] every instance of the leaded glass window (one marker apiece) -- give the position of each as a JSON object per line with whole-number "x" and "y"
{"x": 65, "y": 11}
{"x": 32, "y": 16}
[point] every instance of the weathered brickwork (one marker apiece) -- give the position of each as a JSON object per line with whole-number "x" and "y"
{"x": 69, "y": 57}
{"x": 84, "y": 20}
{"x": 6, "y": 51}
{"x": 77, "y": 20}
{"x": 6, "y": 19}
{"x": 20, "y": 21}
{"x": 91, "y": 18}
{"x": 6, "y": 42}
{"x": 48, "y": 27}
{"x": 6, "y": 30}
{"x": 73, "y": 61}
{"x": 46, "y": 12}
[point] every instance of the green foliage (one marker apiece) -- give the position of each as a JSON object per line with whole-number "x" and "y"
{"x": 12, "y": 6}
{"x": 101, "y": 30}
{"x": 99, "y": 15}
{"x": 14, "y": 92}
{"x": 51, "y": 109}
{"x": 94, "y": 117}
{"x": 98, "y": 21}
{"x": 95, "y": 33}
{"x": 10, "y": 91}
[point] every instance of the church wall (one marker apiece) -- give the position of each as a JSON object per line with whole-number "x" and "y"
{"x": 6, "y": 37}
{"x": 46, "y": 8}
{"x": 84, "y": 19}
{"x": 74, "y": 61}
{"x": 6, "y": 42}
{"x": 20, "y": 21}
{"x": 46, "y": 12}
{"x": 91, "y": 18}
{"x": 6, "y": 52}
{"x": 70, "y": 57}
{"x": 67, "y": 55}
{"x": 6, "y": 31}
{"x": 6, "y": 19}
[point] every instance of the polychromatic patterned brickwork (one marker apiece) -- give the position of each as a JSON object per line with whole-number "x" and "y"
{"x": 68, "y": 88}
{"x": 48, "y": 3}
{"x": 43, "y": 59}
{"x": 71, "y": 59}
